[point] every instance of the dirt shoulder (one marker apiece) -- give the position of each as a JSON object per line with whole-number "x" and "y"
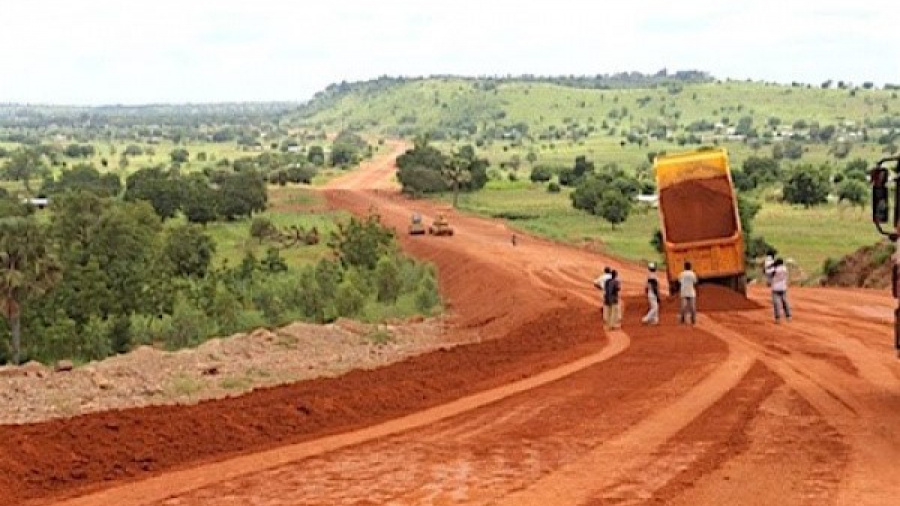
{"x": 218, "y": 368}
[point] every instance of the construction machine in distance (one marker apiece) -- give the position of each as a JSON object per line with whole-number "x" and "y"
{"x": 440, "y": 226}
{"x": 699, "y": 218}
{"x": 415, "y": 226}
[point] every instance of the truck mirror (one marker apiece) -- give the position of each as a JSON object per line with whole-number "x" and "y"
{"x": 880, "y": 205}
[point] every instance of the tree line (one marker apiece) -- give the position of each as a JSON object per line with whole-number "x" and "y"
{"x": 101, "y": 275}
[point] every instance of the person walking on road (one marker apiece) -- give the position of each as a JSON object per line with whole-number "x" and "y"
{"x": 652, "y": 289}
{"x": 687, "y": 282}
{"x": 779, "y": 290}
{"x": 600, "y": 283}
{"x": 611, "y": 300}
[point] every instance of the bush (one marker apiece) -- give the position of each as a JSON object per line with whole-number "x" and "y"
{"x": 831, "y": 267}
{"x": 541, "y": 174}
{"x": 262, "y": 228}
{"x": 189, "y": 326}
{"x": 273, "y": 262}
{"x": 853, "y": 191}
{"x": 427, "y": 296}
{"x": 656, "y": 241}
{"x": 387, "y": 280}
{"x": 553, "y": 187}
{"x": 348, "y": 300}
{"x": 120, "y": 334}
{"x": 807, "y": 185}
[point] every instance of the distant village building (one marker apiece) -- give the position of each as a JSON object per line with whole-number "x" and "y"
{"x": 38, "y": 202}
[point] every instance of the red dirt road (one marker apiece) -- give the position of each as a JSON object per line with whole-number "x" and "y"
{"x": 539, "y": 408}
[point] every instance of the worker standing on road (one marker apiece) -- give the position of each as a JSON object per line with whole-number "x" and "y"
{"x": 687, "y": 282}
{"x": 779, "y": 290}
{"x": 611, "y": 300}
{"x": 600, "y": 283}
{"x": 652, "y": 289}
{"x": 769, "y": 266}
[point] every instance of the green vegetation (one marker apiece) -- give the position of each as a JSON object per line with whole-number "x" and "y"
{"x": 94, "y": 276}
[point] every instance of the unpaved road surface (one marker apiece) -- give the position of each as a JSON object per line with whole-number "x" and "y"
{"x": 540, "y": 406}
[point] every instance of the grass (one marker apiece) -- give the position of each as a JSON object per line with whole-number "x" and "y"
{"x": 552, "y": 216}
{"x": 380, "y": 336}
{"x": 236, "y": 383}
{"x": 184, "y": 385}
{"x": 808, "y": 236}
{"x": 289, "y": 205}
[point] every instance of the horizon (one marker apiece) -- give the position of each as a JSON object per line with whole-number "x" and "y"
{"x": 102, "y": 53}
{"x": 715, "y": 79}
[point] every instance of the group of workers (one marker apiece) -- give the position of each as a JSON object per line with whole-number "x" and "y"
{"x": 774, "y": 269}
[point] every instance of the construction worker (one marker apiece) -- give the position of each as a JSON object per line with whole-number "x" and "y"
{"x": 779, "y": 290}
{"x": 769, "y": 266}
{"x": 611, "y": 300}
{"x": 652, "y": 289}
{"x": 600, "y": 284}
{"x": 687, "y": 282}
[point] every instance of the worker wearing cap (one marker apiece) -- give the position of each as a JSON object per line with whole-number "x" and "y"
{"x": 652, "y": 289}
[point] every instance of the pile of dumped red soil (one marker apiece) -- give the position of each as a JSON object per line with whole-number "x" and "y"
{"x": 711, "y": 298}
{"x": 867, "y": 267}
{"x": 697, "y": 210}
{"x": 66, "y": 456}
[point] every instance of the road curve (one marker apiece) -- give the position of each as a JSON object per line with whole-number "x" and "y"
{"x": 736, "y": 410}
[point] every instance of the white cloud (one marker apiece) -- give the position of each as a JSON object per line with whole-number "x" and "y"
{"x": 108, "y": 51}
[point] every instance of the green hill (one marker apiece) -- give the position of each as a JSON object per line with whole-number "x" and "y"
{"x": 558, "y": 120}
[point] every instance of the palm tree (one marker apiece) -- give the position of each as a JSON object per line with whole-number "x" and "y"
{"x": 26, "y": 269}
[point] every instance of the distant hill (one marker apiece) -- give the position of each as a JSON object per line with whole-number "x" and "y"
{"x": 690, "y": 105}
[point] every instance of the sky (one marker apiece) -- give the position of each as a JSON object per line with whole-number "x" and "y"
{"x": 93, "y": 52}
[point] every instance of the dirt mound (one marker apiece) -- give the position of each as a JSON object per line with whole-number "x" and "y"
{"x": 217, "y": 368}
{"x": 867, "y": 267}
{"x": 710, "y": 299}
{"x": 524, "y": 330}
{"x": 698, "y": 210}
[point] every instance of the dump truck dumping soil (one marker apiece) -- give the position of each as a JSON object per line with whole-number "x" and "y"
{"x": 698, "y": 210}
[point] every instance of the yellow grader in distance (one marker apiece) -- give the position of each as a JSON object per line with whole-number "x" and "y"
{"x": 440, "y": 226}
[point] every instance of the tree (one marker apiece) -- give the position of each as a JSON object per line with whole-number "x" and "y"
{"x": 161, "y": 188}
{"x": 200, "y": 201}
{"x": 541, "y": 174}
{"x": 316, "y": 156}
{"x": 613, "y": 207}
{"x": 27, "y": 269}
{"x": 83, "y": 177}
{"x": 180, "y": 155}
{"x": 853, "y": 191}
{"x": 761, "y": 170}
{"x": 456, "y": 173}
{"x": 241, "y": 194}
{"x": 133, "y": 150}
{"x": 23, "y": 165}
{"x": 807, "y": 185}
{"x": 361, "y": 242}
{"x": 189, "y": 250}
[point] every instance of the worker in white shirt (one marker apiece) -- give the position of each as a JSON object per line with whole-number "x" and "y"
{"x": 779, "y": 291}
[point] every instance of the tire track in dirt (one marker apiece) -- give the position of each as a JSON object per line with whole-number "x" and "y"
{"x": 863, "y": 408}
{"x": 494, "y": 453}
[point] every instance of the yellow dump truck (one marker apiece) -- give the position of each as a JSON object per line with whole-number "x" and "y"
{"x": 699, "y": 218}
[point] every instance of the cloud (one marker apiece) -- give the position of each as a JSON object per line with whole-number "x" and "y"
{"x": 108, "y": 51}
